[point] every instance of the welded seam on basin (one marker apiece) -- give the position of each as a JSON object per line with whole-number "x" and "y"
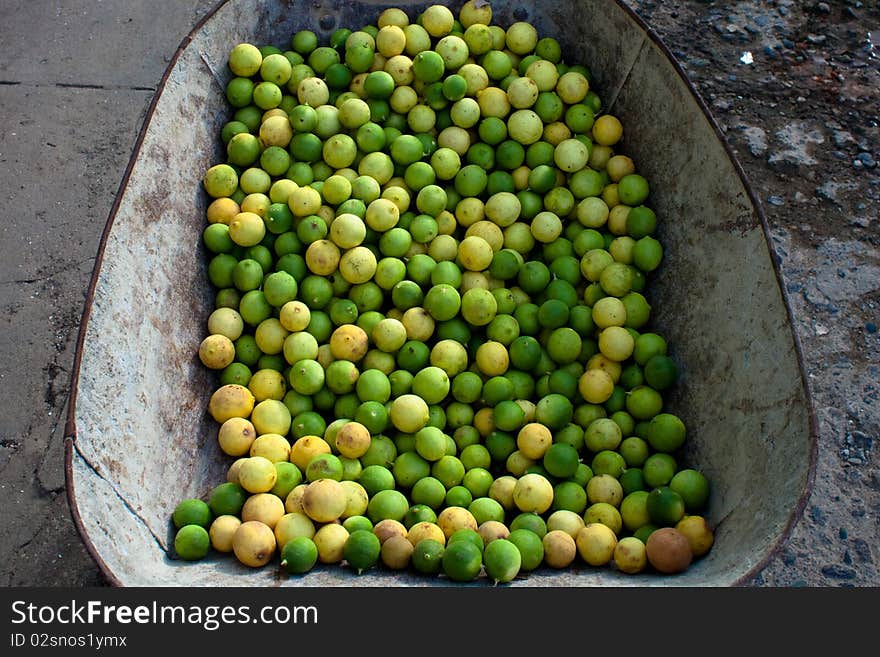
{"x": 615, "y": 93}
{"x": 121, "y": 497}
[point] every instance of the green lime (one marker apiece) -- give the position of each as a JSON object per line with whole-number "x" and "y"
{"x": 534, "y": 276}
{"x": 634, "y": 451}
{"x": 430, "y": 442}
{"x": 508, "y": 415}
{"x": 375, "y": 476}
{"x": 500, "y": 445}
{"x": 643, "y": 532}
{"x": 192, "y": 542}
{"x": 530, "y": 546}
{"x": 643, "y": 402}
{"x": 632, "y": 479}
{"x": 240, "y": 92}
{"x": 192, "y": 511}
{"x": 459, "y": 496}
{"x": 634, "y": 510}
{"x": 665, "y": 506}
{"x": 304, "y": 41}
{"x": 509, "y": 154}
{"x": 530, "y": 521}
{"x": 429, "y": 491}
{"x": 660, "y": 372}
{"x": 570, "y": 495}
{"x": 525, "y": 353}
{"x": 561, "y": 460}
{"x": 289, "y": 476}
{"x": 666, "y": 432}
{"x": 632, "y": 189}
{"x": 388, "y": 503}
{"x": 486, "y": 508}
{"x": 609, "y": 462}
{"x": 640, "y": 222}
{"x": 502, "y": 560}
{"x": 693, "y": 486}
{"x": 361, "y": 550}
{"x": 324, "y": 466}
{"x": 353, "y": 523}
{"x": 466, "y": 535}
{"x": 299, "y": 555}
{"x": 658, "y": 469}
{"x": 477, "y": 480}
{"x": 226, "y": 499}
{"x": 409, "y": 467}
{"x": 428, "y": 66}
{"x": 638, "y": 310}
{"x": 571, "y": 434}
{"x": 647, "y": 254}
{"x": 554, "y": 411}
{"x": 564, "y": 345}
{"x": 235, "y": 373}
{"x": 497, "y": 389}
{"x": 427, "y": 556}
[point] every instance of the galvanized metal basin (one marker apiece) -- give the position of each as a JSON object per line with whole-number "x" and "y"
{"x": 139, "y": 436}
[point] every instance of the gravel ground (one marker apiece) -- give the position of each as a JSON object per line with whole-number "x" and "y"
{"x": 794, "y": 85}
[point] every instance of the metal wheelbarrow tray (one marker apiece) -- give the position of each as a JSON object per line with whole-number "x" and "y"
{"x": 140, "y": 439}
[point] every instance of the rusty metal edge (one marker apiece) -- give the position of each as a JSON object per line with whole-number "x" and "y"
{"x": 70, "y": 426}
{"x": 798, "y": 510}
{"x": 70, "y": 431}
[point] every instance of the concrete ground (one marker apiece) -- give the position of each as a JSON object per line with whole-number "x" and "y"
{"x": 75, "y": 80}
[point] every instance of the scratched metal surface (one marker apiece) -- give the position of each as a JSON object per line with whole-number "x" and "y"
{"x": 141, "y": 439}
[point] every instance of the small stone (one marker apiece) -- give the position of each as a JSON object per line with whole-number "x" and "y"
{"x": 816, "y": 39}
{"x": 843, "y": 533}
{"x": 776, "y": 200}
{"x": 867, "y": 161}
{"x": 857, "y": 164}
{"x": 838, "y": 572}
{"x": 871, "y": 327}
{"x": 821, "y": 330}
{"x": 842, "y": 138}
{"x": 756, "y": 140}
{"x": 862, "y": 551}
{"x": 823, "y": 8}
{"x": 788, "y": 43}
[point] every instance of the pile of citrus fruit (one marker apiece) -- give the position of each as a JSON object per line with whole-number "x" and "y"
{"x": 433, "y": 347}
